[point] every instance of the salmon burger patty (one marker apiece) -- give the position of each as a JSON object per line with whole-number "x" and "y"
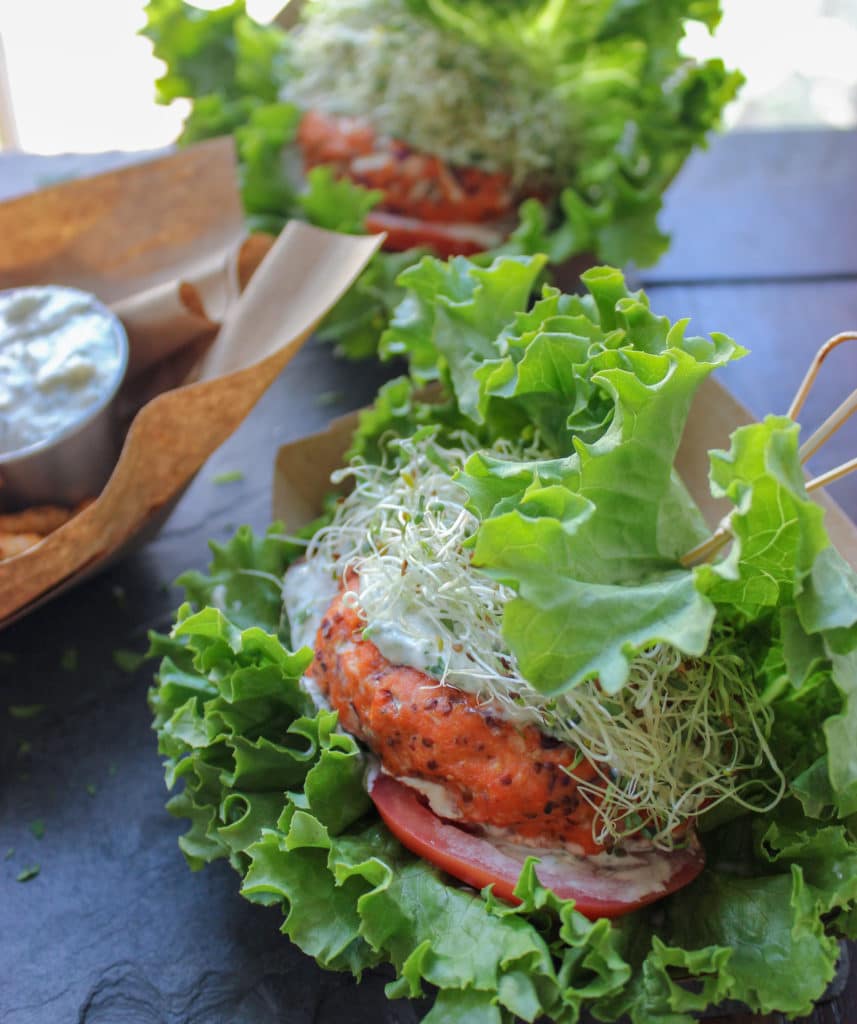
{"x": 494, "y": 772}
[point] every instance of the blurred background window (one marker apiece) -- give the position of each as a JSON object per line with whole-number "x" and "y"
{"x": 79, "y": 78}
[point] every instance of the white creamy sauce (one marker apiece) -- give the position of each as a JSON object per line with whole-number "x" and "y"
{"x": 311, "y": 689}
{"x": 407, "y": 640}
{"x": 532, "y": 847}
{"x": 639, "y": 873}
{"x": 439, "y": 798}
{"x": 60, "y": 354}
{"x": 308, "y": 590}
{"x": 651, "y": 870}
{"x": 405, "y": 635}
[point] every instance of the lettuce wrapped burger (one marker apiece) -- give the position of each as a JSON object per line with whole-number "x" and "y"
{"x": 525, "y": 125}
{"x": 501, "y": 662}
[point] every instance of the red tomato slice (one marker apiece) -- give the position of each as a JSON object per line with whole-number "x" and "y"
{"x": 445, "y": 239}
{"x": 598, "y": 891}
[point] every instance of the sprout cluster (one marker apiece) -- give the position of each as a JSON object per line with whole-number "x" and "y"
{"x": 683, "y": 735}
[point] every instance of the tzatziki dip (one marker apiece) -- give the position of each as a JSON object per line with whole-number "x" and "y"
{"x": 62, "y": 354}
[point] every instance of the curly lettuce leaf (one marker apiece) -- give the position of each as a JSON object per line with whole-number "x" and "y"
{"x": 823, "y": 634}
{"x": 221, "y": 52}
{"x": 269, "y": 188}
{"x": 778, "y": 530}
{"x": 590, "y": 548}
{"x": 401, "y": 410}
{"x": 839, "y": 731}
{"x": 334, "y": 203}
{"x": 827, "y": 602}
{"x": 453, "y": 312}
{"x": 357, "y": 321}
{"x": 243, "y": 579}
{"x": 770, "y": 923}
{"x": 750, "y": 928}
{"x": 516, "y": 367}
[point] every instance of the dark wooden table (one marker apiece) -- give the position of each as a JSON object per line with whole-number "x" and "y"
{"x": 115, "y": 929}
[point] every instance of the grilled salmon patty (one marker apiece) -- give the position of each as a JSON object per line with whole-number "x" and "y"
{"x": 496, "y": 773}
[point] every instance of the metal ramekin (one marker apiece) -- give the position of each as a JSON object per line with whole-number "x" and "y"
{"x": 76, "y": 463}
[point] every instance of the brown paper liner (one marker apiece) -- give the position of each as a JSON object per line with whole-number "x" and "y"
{"x": 302, "y": 469}
{"x": 123, "y": 232}
{"x": 202, "y": 350}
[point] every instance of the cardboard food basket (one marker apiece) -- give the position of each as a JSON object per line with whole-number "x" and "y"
{"x": 212, "y": 317}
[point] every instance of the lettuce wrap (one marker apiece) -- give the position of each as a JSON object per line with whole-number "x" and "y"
{"x": 574, "y": 408}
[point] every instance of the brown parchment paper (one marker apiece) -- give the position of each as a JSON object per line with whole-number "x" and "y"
{"x": 163, "y": 243}
{"x": 120, "y": 233}
{"x": 302, "y": 469}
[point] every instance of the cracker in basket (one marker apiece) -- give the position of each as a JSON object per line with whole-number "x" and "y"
{"x": 22, "y": 530}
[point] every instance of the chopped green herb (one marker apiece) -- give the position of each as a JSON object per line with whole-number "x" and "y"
{"x": 231, "y": 476}
{"x": 128, "y": 661}
{"x": 91, "y": 788}
{"x": 326, "y": 398}
{"x": 25, "y": 710}
{"x": 10, "y": 853}
{"x": 69, "y": 659}
{"x": 28, "y": 873}
{"x": 37, "y": 827}
{"x": 24, "y": 747}
{"x": 112, "y": 769}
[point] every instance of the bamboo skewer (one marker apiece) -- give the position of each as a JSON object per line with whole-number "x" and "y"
{"x": 814, "y": 367}
{"x": 723, "y": 534}
{"x": 827, "y": 429}
{"x": 709, "y": 548}
{"x": 832, "y": 474}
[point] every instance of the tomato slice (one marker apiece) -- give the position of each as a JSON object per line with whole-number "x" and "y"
{"x": 444, "y": 239}
{"x": 598, "y": 889}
